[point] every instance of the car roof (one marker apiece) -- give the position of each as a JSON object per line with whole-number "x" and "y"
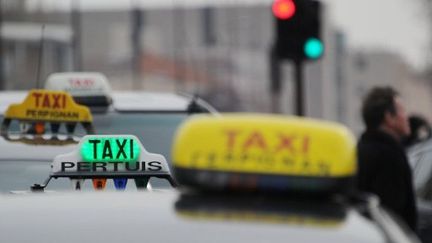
{"x": 149, "y": 101}
{"x": 127, "y": 101}
{"x": 152, "y": 217}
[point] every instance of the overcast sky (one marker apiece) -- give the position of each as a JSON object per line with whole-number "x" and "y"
{"x": 399, "y": 25}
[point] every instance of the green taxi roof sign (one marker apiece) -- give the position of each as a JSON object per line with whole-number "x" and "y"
{"x": 110, "y": 149}
{"x": 109, "y": 156}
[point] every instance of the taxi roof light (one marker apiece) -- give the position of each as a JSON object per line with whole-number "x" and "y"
{"x": 101, "y": 157}
{"x": 264, "y": 152}
{"x": 42, "y": 107}
{"x": 87, "y": 88}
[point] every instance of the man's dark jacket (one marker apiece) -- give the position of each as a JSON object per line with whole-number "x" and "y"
{"x": 384, "y": 171}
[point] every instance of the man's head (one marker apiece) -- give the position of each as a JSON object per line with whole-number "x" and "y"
{"x": 383, "y": 109}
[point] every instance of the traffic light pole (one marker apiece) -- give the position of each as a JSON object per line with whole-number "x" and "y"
{"x": 275, "y": 81}
{"x": 137, "y": 22}
{"x": 299, "y": 89}
{"x": 276, "y": 84}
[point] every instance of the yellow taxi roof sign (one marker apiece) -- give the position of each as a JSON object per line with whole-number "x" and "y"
{"x": 49, "y": 106}
{"x": 264, "y": 145}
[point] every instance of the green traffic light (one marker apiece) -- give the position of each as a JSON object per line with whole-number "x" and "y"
{"x": 313, "y": 48}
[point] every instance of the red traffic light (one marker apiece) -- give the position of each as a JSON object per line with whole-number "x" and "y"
{"x": 283, "y": 9}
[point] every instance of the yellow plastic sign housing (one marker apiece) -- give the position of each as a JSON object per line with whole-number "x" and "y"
{"x": 49, "y": 106}
{"x": 242, "y": 148}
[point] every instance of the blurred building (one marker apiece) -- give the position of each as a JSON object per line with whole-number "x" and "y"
{"x": 218, "y": 49}
{"x": 366, "y": 69}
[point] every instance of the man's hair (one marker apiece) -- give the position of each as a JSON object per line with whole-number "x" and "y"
{"x": 378, "y": 101}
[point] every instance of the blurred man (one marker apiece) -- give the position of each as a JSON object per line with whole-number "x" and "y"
{"x": 383, "y": 165}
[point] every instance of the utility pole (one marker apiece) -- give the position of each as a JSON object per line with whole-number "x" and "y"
{"x": 76, "y": 27}
{"x": 137, "y": 21}
{"x": 276, "y": 78}
{"x": 299, "y": 87}
{"x": 275, "y": 81}
{"x": 2, "y": 52}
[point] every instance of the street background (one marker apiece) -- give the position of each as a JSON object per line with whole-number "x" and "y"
{"x": 220, "y": 50}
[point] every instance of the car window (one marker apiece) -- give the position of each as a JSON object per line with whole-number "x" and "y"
{"x": 422, "y": 173}
{"x": 422, "y": 170}
{"x": 155, "y": 130}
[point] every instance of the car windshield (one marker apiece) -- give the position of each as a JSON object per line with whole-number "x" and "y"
{"x": 18, "y": 170}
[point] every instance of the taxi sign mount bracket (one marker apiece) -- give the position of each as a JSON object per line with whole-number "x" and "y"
{"x": 41, "y": 187}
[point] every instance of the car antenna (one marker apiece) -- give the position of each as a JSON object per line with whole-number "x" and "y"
{"x": 40, "y": 58}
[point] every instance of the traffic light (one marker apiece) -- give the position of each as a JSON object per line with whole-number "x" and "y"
{"x": 283, "y": 9}
{"x": 298, "y": 27}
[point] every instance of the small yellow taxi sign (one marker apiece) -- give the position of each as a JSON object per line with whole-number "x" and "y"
{"x": 49, "y": 106}
{"x": 265, "y": 144}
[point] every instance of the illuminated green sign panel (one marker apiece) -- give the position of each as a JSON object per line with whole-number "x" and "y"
{"x": 110, "y": 149}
